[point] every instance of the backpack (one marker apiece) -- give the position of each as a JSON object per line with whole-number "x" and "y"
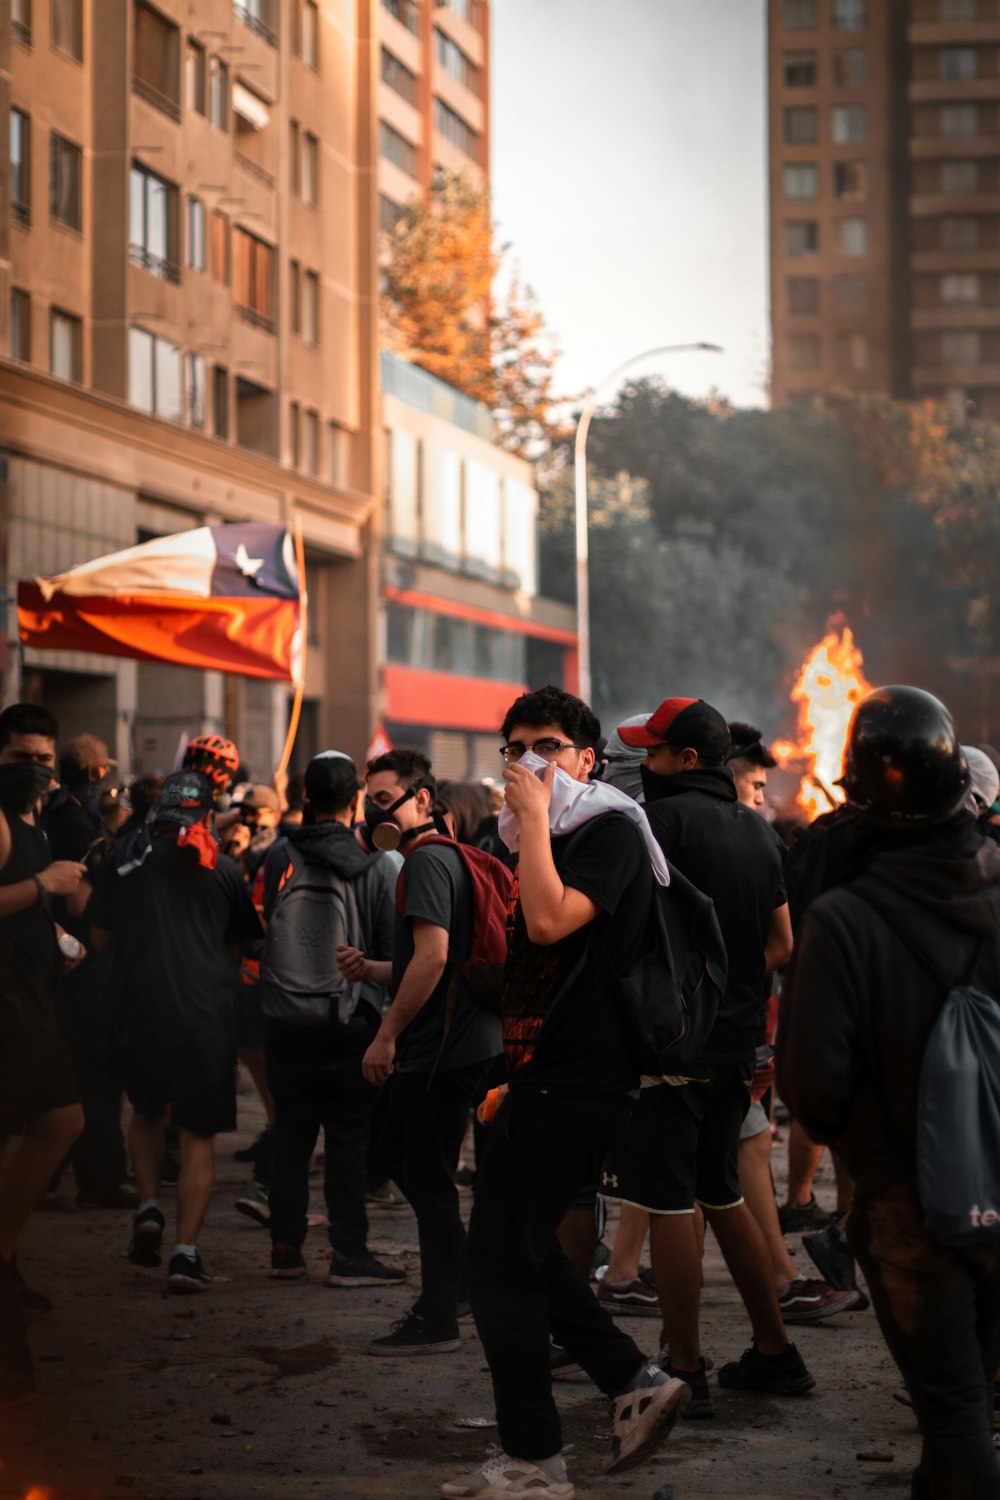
{"x": 314, "y": 911}
{"x": 669, "y": 1000}
{"x": 958, "y": 1108}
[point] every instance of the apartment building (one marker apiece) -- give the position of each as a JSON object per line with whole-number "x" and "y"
{"x": 885, "y": 199}
{"x": 188, "y": 331}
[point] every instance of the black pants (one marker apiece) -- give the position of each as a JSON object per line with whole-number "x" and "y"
{"x": 86, "y": 1020}
{"x": 939, "y": 1310}
{"x": 424, "y": 1133}
{"x": 315, "y": 1077}
{"x": 541, "y": 1151}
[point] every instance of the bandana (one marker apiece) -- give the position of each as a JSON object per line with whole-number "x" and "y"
{"x": 202, "y": 841}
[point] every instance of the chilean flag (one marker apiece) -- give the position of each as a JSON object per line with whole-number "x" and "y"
{"x": 222, "y": 598}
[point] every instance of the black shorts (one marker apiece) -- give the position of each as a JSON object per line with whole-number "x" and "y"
{"x": 252, "y": 1025}
{"x": 196, "y": 1082}
{"x": 682, "y": 1145}
{"x": 36, "y": 1075}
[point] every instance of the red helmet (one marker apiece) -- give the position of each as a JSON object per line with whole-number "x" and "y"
{"x": 216, "y": 757}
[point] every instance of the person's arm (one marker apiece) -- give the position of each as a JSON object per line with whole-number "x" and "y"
{"x": 818, "y": 1056}
{"x": 420, "y": 979}
{"x": 60, "y": 879}
{"x": 778, "y": 949}
{"x": 551, "y": 910}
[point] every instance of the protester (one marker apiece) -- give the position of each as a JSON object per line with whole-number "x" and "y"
{"x": 749, "y": 761}
{"x": 874, "y": 962}
{"x": 622, "y": 763}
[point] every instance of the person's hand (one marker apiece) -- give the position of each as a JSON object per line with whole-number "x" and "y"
{"x": 528, "y": 796}
{"x": 62, "y": 877}
{"x": 351, "y": 963}
{"x": 378, "y": 1062}
{"x": 69, "y": 964}
{"x": 492, "y": 1103}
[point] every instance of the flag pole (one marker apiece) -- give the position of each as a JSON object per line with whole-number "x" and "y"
{"x": 300, "y": 681}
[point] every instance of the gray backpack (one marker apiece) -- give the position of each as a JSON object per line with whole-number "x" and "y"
{"x": 314, "y": 912}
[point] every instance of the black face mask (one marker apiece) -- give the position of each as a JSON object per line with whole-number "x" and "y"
{"x": 381, "y": 829}
{"x": 656, "y": 785}
{"x": 23, "y": 784}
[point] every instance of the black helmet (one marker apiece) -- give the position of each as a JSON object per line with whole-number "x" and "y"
{"x": 904, "y": 767}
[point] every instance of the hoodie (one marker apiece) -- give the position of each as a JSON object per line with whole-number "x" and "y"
{"x": 861, "y": 997}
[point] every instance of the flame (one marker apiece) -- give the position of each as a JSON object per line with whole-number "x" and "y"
{"x": 37, "y": 1493}
{"x": 830, "y": 683}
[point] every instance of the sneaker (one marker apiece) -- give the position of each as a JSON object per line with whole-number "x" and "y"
{"x": 636, "y": 1298}
{"x": 771, "y": 1374}
{"x": 261, "y": 1144}
{"x": 702, "y": 1405}
{"x": 831, "y": 1255}
{"x": 386, "y": 1196}
{"x": 413, "y": 1335}
{"x": 642, "y": 1419}
{"x": 254, "y": 1204}
{"x": 564, "y": 1367}
{"x": 119, "y": 1195}
{"x": 794, "y": 1217}
{"x": 362, "y": 1270}
{"x": 147, "y": 1237}
{"x": 503, "y": 1476}
{"x": 287, "y": 1263}
{"x": 805, "y": 1301}
{"x": 28, "y": 1299}
{"x": 187, "y": 1275}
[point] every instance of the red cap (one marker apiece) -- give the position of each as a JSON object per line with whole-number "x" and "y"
{"x": 681, "y": 722}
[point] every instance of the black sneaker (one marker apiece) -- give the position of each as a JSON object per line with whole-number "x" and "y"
{"x": 413, "y": 1335}
{"x": 702, "y": 1404}
{"x": 362, "y": 1270}
{"x": 255, "y": 1205}
{"x": 831, "y": 1255}
{"x": 29, "y": 1300}
{"x": 187, "y": 1275}
{"x": 794, "y": 1217}
{"x": 771, "y": 1374}
{"x": 147, "y": 1237}
{"x": 287, "y": 1263}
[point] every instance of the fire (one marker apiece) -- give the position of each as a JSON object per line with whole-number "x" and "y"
{"x": 831, "y": 682}
{"x": 37, "y": 1493}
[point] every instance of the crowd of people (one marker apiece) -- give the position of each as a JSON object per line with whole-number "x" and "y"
{"x": 398, "y": 961}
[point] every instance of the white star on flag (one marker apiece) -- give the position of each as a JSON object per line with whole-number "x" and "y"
{"x": 248, "y": 566}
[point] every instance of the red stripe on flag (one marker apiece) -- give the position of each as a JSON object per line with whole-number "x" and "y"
{"x": 250, "y": 636}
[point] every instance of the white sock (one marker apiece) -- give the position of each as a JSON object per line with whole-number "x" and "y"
{"x": 149, "y": 1203}
{"x": 556, "y": 1466}
{"x": 191, "y": 1251}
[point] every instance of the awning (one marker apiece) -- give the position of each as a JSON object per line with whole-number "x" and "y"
{"x": 250, "y": 108}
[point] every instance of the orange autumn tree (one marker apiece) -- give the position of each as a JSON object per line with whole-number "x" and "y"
{"x": 441, "y": 310}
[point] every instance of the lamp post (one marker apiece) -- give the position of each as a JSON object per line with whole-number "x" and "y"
{"x": 580, "y": 478}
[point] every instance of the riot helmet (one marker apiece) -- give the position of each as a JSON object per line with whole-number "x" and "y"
{"x": 904, "y": 767}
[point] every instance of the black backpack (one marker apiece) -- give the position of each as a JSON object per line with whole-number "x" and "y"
{"x": 315, "y": 911}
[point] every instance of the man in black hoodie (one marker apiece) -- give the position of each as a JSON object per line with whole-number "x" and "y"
{"x": 322, "y": 888}
{"x": 874, "y": 961}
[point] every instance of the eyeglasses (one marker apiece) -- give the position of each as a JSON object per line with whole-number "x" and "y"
{"x": 547, "y": 749}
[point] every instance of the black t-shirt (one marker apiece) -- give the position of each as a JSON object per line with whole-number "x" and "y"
{"x": 173, "y": 979}
{"x": 577, "y": 1046}
{"x": 29, "y": 954}
{"x": 439, "y": 889}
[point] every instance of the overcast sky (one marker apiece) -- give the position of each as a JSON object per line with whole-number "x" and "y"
{"x": 629, "y": 174}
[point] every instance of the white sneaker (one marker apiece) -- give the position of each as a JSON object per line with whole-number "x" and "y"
{"x": 502, "y": 1475}
{"x": 642, "y": 1419}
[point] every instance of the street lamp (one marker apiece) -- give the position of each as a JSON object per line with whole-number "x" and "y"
{"x": 580, "y": 477}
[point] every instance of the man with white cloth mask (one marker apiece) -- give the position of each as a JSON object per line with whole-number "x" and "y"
{"x": 583, "y": 879}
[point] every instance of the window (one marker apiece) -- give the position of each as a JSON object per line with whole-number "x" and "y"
{"x": 803, "y": 294}
{"x": 397, "y": 149}
{"x": 957, "y": 62}
{"x": 310, "y": 168}
{"x": 295, "y": 294}
{"x": 156, "y": 61}
{"x": 310, "y": 442}
{"x": 154, "y": 375}
{"x": 959, "y": 177}
{"x": 310, "y": 307}
{"x": 801, "y": 237}
{"x": 398, "y": 77}
{"x": 153, "y": 223}
{"x": 804, "y": 351}
{"x": 849, "y": 67}
{"x": 20, "y": 166}
{"x": 958, "y": 119}
{"x": 851, "y": 295}
{"x": 960, "y": 290}
{"x": 957, "y": 10}
{"x": 454, "y": 129}
{"x": 220, "y": 400}
{"x": 961, "y": 346}
{"x": 220, "y": 247}
{"x": 20, "y": 325}
{"x": 853, "y": 236}
{"x": 388, "y": 213}
{"x": 959, "y": 234}
{"x": 853, "y": 352}
{"x": 195, "y": 71}
{"x": 65, "y": 170}
{"x": 196, "y": 392}
{"x": 454, "y": 61}
{"x": 405, "y": 12}
{"x": 257, "y": 16}
{"x": 466, "y": 10}
{"x": 310, "y": 34}
{"x": 253, "y": 278}
{"x": 67, "y": 27}
{"x": 801, "y": 181}
{"x": 294, "y": 433}
{"x": 801, "y": 126}
{"x": 20, "y": 21}
{"x": 64, "y": 345}
{"x": 800, "y": 70}
{"x": 850, "y": 181}
{"x": 218, "y": 94}
{"x": 196, "y": 234}
{"x": 339, "y": 455}
{"x": 848, "y": 122}
{"x": 800, "y": 15}
{"x": 849, "y": 15}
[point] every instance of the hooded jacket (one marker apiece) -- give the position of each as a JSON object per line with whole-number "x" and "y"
{"x": 861, "y": 997}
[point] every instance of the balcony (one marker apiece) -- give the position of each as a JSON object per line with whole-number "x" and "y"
{"x": 259, "y": 173}
{"x": 153, "y": 96}
{"x": 254, "y": 318}
{"x": 923, "y": 147}
{"x": 166, "y": 270}
{"x": 252, "y": 17}
{"x": 20, "y": 213}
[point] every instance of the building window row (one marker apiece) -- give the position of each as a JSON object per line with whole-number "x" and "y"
{"x": 398, "y": 77}
{"x": 20, "y": 21}
{"x": 259, "y": 16}
{"x": 454, "y": 61}
{"x": 442, "y": 643}
{"x": 304, "y": 150}
{"x": 851, "y": 353}
{"x": 851, "y": 295}
{"x": 466, "y": 10}
{"x": 65, "y": 25}
{"x": 406, "y": 12}
{"x": 253, "y": 279}
{"x": 65, "y": 336}
{"x": 848, "y": 124}
{"x": 397, "y": 149}
{"x": 65, "y": 174}
{"x": 153, "y": 216}
{"x": 801, "y": 68}
{"x": 456, "y": 130}
{"x": 802, "y": 237}
{"x": 305, "y": 32}
{"x": 844, "y": 15}
{"x": 802, "y": 181}
{"x": 304, "y": 302}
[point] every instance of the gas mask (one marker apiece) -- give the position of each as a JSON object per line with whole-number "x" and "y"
{"x": 380, "y": 827}
{"x": 23, "y": 784}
